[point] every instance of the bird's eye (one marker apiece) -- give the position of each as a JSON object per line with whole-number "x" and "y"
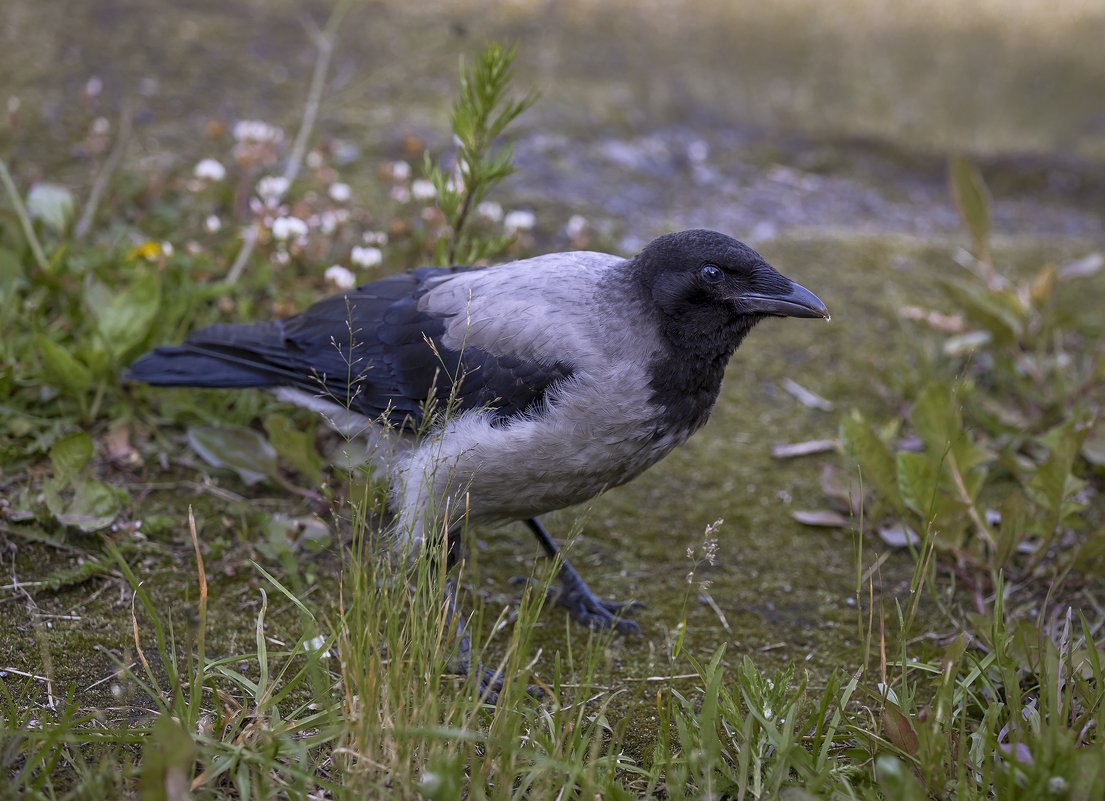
{"x": 711, "y": 274}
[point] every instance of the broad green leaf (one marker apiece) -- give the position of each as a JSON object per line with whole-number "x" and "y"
{"x": 62, "y": 368}
{"x": 1054, "y": 481}
{"x": 168, "y": 758}
{"x": 94, "y": 506}
{"x": 917, "y": 476}
{"x": 295, "y": 447}
{"x": 872, "y": 455}
{"x": 969, "y": 456}
{"x": 242, "y": 450}
{"x": 935, "y": 417}
{"x": 1010, "y": 534}
{"x": 897, "y": 781}
{"x": 127, "y": 318}
{"x": 972, "y": 200}
{"x": 998, "y": 312}
{"x": 70, "y": 454}
{"x": 53, "y": 204}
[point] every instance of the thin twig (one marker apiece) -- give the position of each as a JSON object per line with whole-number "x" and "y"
{"x": 24, "y": 217}
{"x": 99, "y": 186}
{"x": 324, "y": 40}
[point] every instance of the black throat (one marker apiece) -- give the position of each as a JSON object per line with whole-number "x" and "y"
{"x": 685, "y": 374}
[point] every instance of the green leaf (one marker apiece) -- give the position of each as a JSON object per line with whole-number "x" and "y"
{"x": 1054, "y": 481}
{"x": 935, "y": 417}
{"x": 12, "y": 279}
{"x": 62, "y": 368}
{"x": 972, "y": 200}
{"x": 73, "y": 498}
{"x": 94, "y": 506}
{"x": 127, "y": 317}
{"x": 53, "y": 204}
{"x": 295, "y": 447}
{"x": 873, "y": 457}
{"x": 998, "y": 312}
{"x": 70, "y": 454}
{"x": 897, "y": 781}
{"x": 168, "y": 758}
{"x": 242, "y": 450}
{"x": 917, "y": 476}
{"x": 1011, "y": 532}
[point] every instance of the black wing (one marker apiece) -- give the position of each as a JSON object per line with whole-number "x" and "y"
{"x": 371, "y": 350}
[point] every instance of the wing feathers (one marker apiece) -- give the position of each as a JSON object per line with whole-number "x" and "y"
{"x": 373, "y": 349}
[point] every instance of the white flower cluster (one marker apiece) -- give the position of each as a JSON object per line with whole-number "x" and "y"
{"x": 341, "y": 277}
{"x": 289, "y": 229}
{"x": 521, "y": 220}
{"x": 271, "y": 189}
{"x": 209, "y": 170}
{"x": 366, "y": 257}
{"x": 256, "y": 132}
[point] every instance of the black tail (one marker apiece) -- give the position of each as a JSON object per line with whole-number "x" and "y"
{"x": 186, "y": 366}
{"x": 220, "y": 356}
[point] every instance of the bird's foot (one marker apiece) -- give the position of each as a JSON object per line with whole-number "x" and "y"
{"x": 587, "y": 608}
{"x": 460, "y": 664}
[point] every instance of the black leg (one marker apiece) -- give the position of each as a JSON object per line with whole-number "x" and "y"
{"x": 582, "y": 604}
{"x": 491, "y": 681}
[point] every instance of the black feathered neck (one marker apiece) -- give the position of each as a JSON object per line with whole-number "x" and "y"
{"x": 686, "y": 374}
{"x": 698, "y": 332}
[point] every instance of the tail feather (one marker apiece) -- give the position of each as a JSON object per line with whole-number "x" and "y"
{"x": 188, "y": 367}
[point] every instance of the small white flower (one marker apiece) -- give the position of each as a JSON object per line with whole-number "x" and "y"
{"x": 490, "y": 210}
{"x": 256, "y": 131}
{"x": 167, "y": 248}
{"x": 366, "y": 256}
{"x": 577, "y": 224}
{"x": 314, "y": 160}
{"x": 423, "y": 189}
{"x": 272, "y": 187}
{"x": 340, "y": 193}
{"x": 400, "y": 170}
{"x": 101, "y": 126}
{"x": 375, "y": 237}
{"x": 400, "y": 193}
{"x": 519, "y": 221}
{"x": 209, "y": 170}
{"x": 93, "y": 86}
{"x": 341, "y": 277}
{"x": 285, "y": 228}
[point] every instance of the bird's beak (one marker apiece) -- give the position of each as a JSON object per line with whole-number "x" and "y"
{"x": 799, "y": 302}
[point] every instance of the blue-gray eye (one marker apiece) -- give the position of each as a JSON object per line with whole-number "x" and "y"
{"x": 711, "y": 274}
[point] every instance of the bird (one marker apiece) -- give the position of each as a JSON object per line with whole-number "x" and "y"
{"x": 492, "y": 394}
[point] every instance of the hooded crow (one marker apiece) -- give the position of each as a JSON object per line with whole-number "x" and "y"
{"x": 500, "y": 393}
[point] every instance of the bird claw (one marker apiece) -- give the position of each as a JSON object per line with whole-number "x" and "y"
{"x": 490, "y": 681}
{"x": 599, "y": 614}
{"x": 587, "y": 608}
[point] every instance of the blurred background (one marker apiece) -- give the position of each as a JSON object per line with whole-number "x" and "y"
{"x": 753, "y": 118}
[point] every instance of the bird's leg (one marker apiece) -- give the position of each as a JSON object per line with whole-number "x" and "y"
{"x": 491, "y": 681}
{"x": 583, "y": 605}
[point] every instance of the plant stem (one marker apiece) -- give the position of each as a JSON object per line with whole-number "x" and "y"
{"x": 24, "y": 217}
